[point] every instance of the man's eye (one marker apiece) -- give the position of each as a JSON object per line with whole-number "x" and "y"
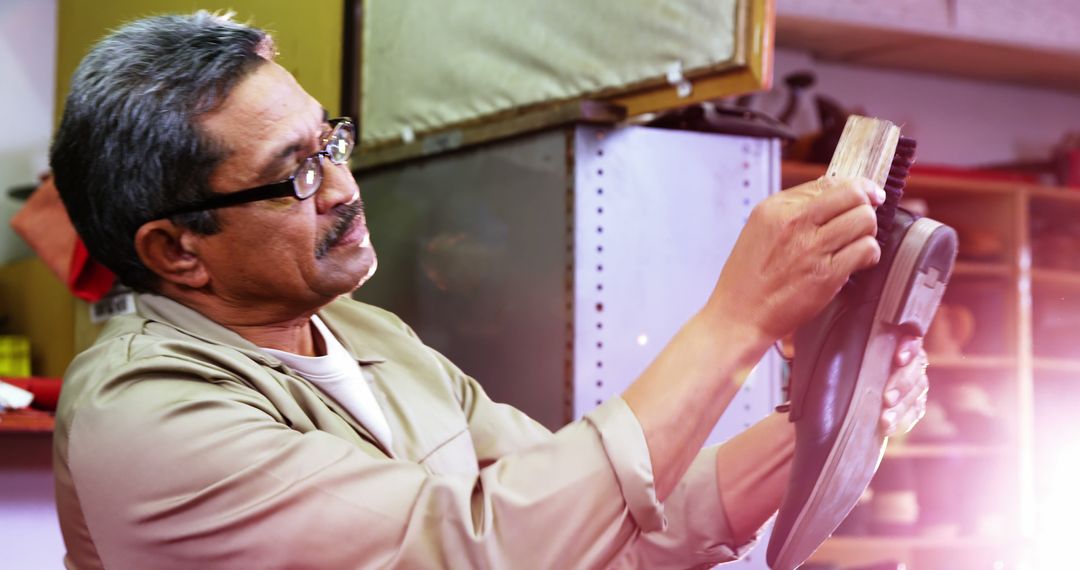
{"x": 294, "y": 169}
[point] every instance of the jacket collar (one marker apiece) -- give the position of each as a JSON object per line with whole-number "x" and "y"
{"x": 193, "y": 323}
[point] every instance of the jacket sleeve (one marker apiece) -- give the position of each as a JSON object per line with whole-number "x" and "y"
{"x": 697, "y": 533}
{"x": 690, "y": 530}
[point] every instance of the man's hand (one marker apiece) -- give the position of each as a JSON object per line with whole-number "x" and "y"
{"x": 904, "y": 400}
{"x": 797, "y": 249}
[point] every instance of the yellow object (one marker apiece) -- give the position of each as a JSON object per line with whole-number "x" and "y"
{"x": 14, "y": 355}
{"x": 308, "y": 36}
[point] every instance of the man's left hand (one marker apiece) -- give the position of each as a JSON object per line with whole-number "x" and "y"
{"x": 904, "y": 399}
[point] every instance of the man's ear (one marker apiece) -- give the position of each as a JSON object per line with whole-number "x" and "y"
{"x": 171, "y": 252}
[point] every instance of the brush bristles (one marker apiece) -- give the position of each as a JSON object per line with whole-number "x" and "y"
{"x": 903, "y": 158}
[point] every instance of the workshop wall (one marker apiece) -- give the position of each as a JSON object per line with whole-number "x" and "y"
{"x": 307, "y": 35}
{"x": 27, "y": 64}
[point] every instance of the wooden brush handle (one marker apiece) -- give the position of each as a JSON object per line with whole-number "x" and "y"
{"x": 866, "y": 149}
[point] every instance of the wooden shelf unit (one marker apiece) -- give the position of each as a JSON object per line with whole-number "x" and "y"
{"x": 1003, "y": 215}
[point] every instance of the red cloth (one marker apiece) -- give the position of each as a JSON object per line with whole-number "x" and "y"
{"x": 88, "y": 279}
{"x": 46, "y": 390}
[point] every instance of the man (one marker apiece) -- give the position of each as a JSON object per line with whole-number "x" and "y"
{"x": 250, "y": 415}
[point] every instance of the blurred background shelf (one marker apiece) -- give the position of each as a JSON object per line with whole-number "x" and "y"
{"x": 1055, "y": 193}
{"x": 1071, "y": 365}
{"x": 26, "y": 421}
{"x": 983, "y": 269}
{"x": 952, "y": 552}
{"x": 922, "y": 450}
{"x": 884, "y": 543}
{"x": 932, "y": 552}
{"x": 1056, "y": 277}
{"x": 971, "y": 362}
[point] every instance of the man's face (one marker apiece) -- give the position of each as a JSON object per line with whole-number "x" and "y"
{"x": 281, "y": 251}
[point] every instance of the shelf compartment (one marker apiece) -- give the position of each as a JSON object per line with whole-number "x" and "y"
{"x": 987, "y": 227}
{"x": 978, "y": 402}
{"x": 976, "y": 320}
{"x": 1055, "y": 235}
{"x": 1056, "y": 317}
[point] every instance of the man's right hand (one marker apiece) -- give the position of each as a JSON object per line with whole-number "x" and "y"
{"x": 797, "y": 250}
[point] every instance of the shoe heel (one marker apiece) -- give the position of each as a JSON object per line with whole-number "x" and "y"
{"x": 917, "y": 279}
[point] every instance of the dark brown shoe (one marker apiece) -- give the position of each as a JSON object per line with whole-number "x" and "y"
{"x": 843, "y": 358}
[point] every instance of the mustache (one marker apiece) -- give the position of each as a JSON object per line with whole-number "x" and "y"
{"x": 346, "y": 217}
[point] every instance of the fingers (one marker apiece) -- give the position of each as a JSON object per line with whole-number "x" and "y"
{"x": 847, "y": 227}
{"x": 907, "y": 389}
{"x": 859, "y": 254}
{"x": 834, "y": 196}
{"x": 912, "y": 416}
{"x": 906, "y": 349}
{"x": 847, "y": 233}
{"x": 903, "y": 417}
{"x": 911, "y": 361}
{"x": 795, "y": 252}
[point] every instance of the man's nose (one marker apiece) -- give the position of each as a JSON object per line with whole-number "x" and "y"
{"x": 338, "y": 187}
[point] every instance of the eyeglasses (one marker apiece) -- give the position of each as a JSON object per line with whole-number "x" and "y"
{"x": 337, "y": 146}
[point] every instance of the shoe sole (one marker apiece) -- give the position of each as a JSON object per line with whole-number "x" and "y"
{"x": 910, "y": 297}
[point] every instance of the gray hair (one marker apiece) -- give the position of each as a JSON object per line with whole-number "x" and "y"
{"x": 129, "y": 143}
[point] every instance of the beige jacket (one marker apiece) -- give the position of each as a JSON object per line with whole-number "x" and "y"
{"x": 181, "y": 445}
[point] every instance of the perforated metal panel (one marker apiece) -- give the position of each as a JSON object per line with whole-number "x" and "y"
{"x": 553, "y": 267}
{"x": 656, "y": 214}
{"x": 473, "y": 254}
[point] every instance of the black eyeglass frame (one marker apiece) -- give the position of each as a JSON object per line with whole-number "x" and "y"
{"x": 280, "y": 189}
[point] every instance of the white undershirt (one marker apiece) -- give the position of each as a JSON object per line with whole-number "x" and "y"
{"x": 338, "y": 375}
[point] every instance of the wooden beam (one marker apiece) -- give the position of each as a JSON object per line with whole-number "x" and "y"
{"x": 518, "y": 123}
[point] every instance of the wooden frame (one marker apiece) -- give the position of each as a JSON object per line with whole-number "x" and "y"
{"x": 750, "y": 69}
